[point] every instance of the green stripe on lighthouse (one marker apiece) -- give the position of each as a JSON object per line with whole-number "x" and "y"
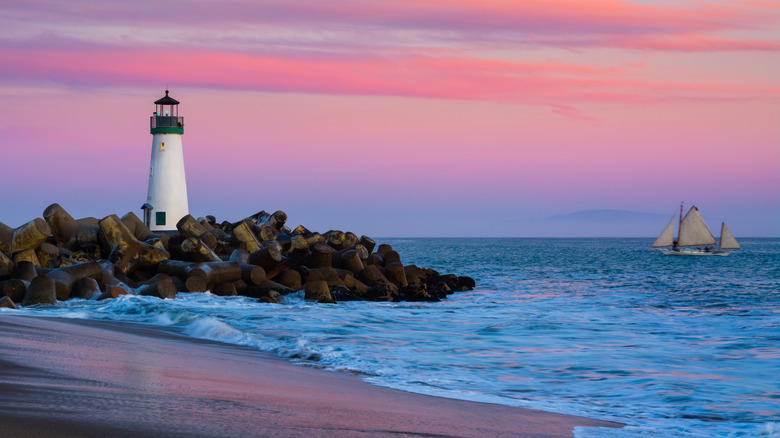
{"x": 167, "y": 130}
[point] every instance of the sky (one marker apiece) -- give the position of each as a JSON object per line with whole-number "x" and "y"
{"x": 400, "y": 118}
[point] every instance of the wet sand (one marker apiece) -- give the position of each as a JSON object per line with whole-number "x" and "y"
{"x": 75, "y": 378}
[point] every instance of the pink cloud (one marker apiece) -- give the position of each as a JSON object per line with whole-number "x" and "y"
{"x": 559, "y": 23}
{"x": 554, "y": 84}
{"x": 697, "y": 43}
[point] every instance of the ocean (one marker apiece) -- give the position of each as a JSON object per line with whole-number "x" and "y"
{"x": 602, "y": 328}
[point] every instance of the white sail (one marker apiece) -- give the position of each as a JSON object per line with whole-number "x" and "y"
{"x": 727, "y": 240}
{"x": 693, "y": 230}
{"x": 667, "y": 235}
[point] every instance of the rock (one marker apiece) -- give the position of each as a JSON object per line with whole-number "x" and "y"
{"x": 329, "y": 275}
{"x": 6, "y": 264}
{"x": 30, "y": 235}
{"x": 243, "y": 233}
{"x": 227, "y": 289}
{"x": 414, "y": 274}
{"x": 267, "y": 233}
{"x": 294, "y": 260}
{"x": 267, "y": 257}
{"x": 383, "y": 248}
{"x": 65, "y": 278}
{"x": 320, "y": 256}
{"x": 190, "y": 227}
{"x": 467, "y": 282}
{"x": 318, "y": 290}
{"x": 335, "y": 239}
{"x": 368, "y": 243}
{"x": 273, "y": 297}
{"x": 291, "y": 279}
{"x": 350, "y": 239}
{"x": 40, "y": 291}
{"x": 384, "y": 292}
{"x": 195, "y": 284}
{"x": 239, "y": 255}
{"x": 371, "y": 275}
{"x": 356, "y": 287}
{"x": 211, "y": 220}
{"x": 350, "y": 260}
{"x": 72, "y": 234}
{"x": 176, "y": 268}
{"x": 112, "y": 285}
{"x": 89, "y": 221}
{"x": 416, "y": 292}
{"x": 24, "y": 270}
{"x": 343, "y": 293}
{"x": 156, "y": 242}
{"x": 137, "y": 227}
{"x": 390, "y": 257}
{"x": 126, "y": 252}
{"x": 63, "y": 226}
{"x": 47, "y": 255}
{"x": 28, "y": 255}
{"x": 450, "y": 279}
{"x": 88, "y": 236}
{"x": 440, "y": 290}
{"x": 275, "y": 220}
{"x": 285, "y": 240}
{"x": 6, "y": 237}
{"x": 251, "y": 274}
{"x": 7, "y": 303}
{"x": 266, "y": 286}
{"x": 160, "y": 286}
{"x": 374, "y": 259}
{"x": 300, "y": 230}
{"x": 14, "y": 289}
{"x": 314, "y": 238}
{"x": 240, "y": 285}
{"x": 112, "y": 292}
{"x": 197, "y": 251}
{"x": 455, "y": 283}
{"x": 86, "y": 288}
{"x": 395, "y": 273}
{"x": 362, "y": 253}
{"x": 298, "y": 242}
{"x": 215, "y": 273}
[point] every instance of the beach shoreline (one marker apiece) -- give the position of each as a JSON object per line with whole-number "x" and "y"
{"x": 83, "y": 378}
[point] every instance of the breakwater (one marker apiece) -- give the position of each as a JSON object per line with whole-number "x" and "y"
{"x": 57, "y": 257}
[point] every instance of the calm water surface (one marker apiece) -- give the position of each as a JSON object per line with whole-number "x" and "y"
{"x": 604, "y": 328}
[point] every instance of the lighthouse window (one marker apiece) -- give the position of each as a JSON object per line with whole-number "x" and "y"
{"x": 160, "y": 218}
{"x": 162, "y": 146}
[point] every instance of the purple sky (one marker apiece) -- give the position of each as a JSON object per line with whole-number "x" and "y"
{"x": 404, "y": 118}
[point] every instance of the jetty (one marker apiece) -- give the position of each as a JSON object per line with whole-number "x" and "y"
{"x": 57, "y": 257}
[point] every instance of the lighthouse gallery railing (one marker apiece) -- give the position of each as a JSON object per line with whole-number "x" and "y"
{"x": 167, "y": 122}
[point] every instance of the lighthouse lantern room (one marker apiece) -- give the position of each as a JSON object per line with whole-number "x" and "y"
{"x": 166, "y": 200}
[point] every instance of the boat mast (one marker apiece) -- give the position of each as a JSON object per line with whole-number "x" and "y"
{"x": 679, "y": 225}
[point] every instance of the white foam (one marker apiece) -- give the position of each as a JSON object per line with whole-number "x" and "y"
{"x": 771, "y": 429}
{"x": 215, "y": 330}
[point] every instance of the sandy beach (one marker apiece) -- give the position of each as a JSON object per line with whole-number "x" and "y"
{"x": 77, "y": 378}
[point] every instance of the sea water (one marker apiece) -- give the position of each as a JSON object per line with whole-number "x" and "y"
{"x": 602, "y": 328}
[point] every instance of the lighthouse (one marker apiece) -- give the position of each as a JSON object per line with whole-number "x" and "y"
{"x": 166, "y": 200}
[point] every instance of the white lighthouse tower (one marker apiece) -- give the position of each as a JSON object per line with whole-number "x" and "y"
{"x": 166, "y": 200}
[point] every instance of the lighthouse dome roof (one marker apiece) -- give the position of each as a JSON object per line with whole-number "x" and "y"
{"x": 167, "y": 100}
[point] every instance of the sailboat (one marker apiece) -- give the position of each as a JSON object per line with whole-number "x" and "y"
{"x": 693, "y": 232}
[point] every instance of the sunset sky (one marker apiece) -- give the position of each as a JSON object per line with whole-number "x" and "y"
{"x": 399, "y": 118}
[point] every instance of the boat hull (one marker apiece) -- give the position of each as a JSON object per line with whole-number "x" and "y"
{"x": 695, "y": 252}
